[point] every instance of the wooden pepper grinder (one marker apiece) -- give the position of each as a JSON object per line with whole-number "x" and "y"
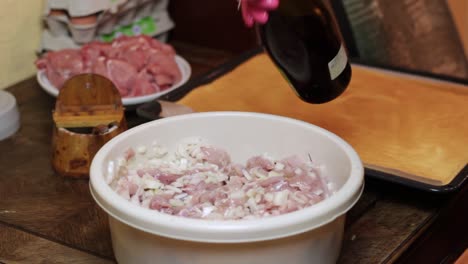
{"x": 88, "y": 113}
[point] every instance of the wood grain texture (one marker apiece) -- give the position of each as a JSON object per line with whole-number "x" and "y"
{"x": 391, "y": 222}
{"x": 88, "y": 100}
{"x": 17, "y": 247}
{"x": 72, "y": 153}
{"x": 409, "y": 126}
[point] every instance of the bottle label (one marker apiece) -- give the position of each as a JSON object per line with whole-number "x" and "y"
{"x": 338, "y": 63}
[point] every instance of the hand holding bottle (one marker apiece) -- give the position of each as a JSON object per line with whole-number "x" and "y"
{"x": 302, "y": 39}
{"x": 256, "y": 11}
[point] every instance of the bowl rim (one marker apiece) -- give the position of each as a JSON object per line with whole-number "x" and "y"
{"x": 227, "y": 231}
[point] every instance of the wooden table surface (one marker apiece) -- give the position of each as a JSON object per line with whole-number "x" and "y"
{"x": 45, "y": 218}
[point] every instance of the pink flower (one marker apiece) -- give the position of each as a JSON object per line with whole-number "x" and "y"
{"x": 256, "y": 11}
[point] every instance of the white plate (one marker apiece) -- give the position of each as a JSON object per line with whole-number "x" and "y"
{"x": 184, "y": 67}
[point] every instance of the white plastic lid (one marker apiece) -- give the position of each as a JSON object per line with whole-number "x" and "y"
{"x": 9, "y": 115}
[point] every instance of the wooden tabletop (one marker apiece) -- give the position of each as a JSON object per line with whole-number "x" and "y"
{"x": 45, "y": 218}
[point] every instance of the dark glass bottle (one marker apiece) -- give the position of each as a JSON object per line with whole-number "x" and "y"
{"x": 302, "y": 39}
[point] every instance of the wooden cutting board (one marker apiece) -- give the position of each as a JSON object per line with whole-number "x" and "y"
{"x": 408, "y": 126}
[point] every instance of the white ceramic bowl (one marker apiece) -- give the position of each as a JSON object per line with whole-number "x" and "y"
{"x": 184, "y": 68}
{"x": 310, "y": 235}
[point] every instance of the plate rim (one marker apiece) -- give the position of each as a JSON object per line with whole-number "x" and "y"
{"x": 181, "y": 62}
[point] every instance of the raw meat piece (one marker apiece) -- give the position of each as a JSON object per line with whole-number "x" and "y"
{"x": 99, "y": 66}
{"x": 161, "y": 63}
{"x": 61, "y": 65}
{"x": 143, "y": 85}
{"x": 91, "y": 52}
{"x": 122, "y": 74}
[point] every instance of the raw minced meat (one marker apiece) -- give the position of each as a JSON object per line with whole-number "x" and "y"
{"x": 199, "y": 180}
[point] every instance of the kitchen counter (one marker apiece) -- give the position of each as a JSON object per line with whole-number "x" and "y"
{"x": 45, "y": 218}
